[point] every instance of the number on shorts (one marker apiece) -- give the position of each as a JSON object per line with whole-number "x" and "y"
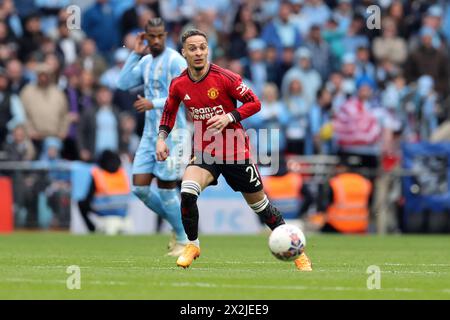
{"x": 254, "y": 175}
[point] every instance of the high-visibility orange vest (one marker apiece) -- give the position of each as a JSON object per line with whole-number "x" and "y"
{"x": 349, "y": 212}
{"x": 109, "y": 183}
{"x": 284, "y": 192}
{"x": 112, "y": 191}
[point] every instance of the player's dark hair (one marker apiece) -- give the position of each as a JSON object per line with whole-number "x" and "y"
{"x": 154, "y": 23}
{"x": 192, "y": 32}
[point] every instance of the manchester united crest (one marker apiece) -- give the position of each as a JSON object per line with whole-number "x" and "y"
{"x": 213, "y": 93}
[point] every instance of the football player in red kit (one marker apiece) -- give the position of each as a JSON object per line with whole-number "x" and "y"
{"x": 210, "y": 94}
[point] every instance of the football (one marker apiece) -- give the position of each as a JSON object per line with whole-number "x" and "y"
{"x": 287, "y": 242}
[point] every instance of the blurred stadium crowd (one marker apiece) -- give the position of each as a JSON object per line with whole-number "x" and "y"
{"x": 328, "y": 81}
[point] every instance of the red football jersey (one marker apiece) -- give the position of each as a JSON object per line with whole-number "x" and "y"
{"x": 215, "y": 93}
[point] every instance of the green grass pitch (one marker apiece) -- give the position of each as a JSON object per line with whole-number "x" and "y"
{"x": 34, "y": 265}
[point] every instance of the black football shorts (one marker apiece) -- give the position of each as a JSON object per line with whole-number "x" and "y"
{"x": 241, "y": 177}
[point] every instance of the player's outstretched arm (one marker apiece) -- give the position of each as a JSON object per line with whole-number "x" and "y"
{"x": 131, "y": 74}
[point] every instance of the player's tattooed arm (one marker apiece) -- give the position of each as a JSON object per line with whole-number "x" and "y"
{"x": 162, "y": 150}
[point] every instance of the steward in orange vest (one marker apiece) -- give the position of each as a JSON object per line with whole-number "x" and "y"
{"x": 349, "y": 210}
{"x": 109, "y": 191}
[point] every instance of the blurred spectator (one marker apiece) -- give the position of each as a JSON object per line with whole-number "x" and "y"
{"x": 393, "y": 98}
{"x": 320, "y": 119}
{"x": 129, "y": 140}
{"x": 48, "y": 10}
{"x": 177, "y": 11}
{"x": 364, "y": 68}
{"x": 343, "y": 14}
{"x": 390, "y": 46}
{"x": 67, "y": 45}
{"x": 45, "y": 107}
{"x": 403, "y": 23}
{"x": 304, "y": 72}
{"x": 99, "y": 127}
{"x": 298, "y": 110}
{"x": 321, "y": 56}
{"x": 255, "y": 68}
{"x": 281, "y": 32}
{"x": 87, "y": 83}
{"x": 20, "y": 147}
{"x": 100, "y": 24}
{"x": 25, "y": 8}
{"x": 11, "y": 109}
{"x": 432, "y": 19}
{"x": 355, "y": 36}
{"x": 420, "y": 110}
{"x": 348, "y": 71}
{"x": 55, "y": 64}
{"x": 6, "y": 37}
{"x": 14, "y": 69}
{"x": 129, "y": 21}
{"x": 277, "y": 69}
{"x": 334, "y": 37}
{"x": 317, "y": 11}
{"x": 335, "y": 85}
{"x": 110, "y": 77}
{"x": 57, "y": 192}
{"x": 51, "y": 149}
{"x": 273, "y": 115}
{"x": 90, "y": 60}
{"x": 32, "y": 37}
{"x": 298, "y": 17}
{"x": 73, "y": 94}
{"x": 244, "y": 30}
{"x": 427, "y": 60}
{"x": 8, "y": 14}
{"x": 357, "y": 129}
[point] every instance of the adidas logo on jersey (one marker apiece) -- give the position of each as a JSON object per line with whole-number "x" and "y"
{"x": 186, "y": 97}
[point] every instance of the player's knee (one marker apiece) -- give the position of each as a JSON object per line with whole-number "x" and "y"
{"x": 168, "y": 196}
{"x": 140, "y": 191}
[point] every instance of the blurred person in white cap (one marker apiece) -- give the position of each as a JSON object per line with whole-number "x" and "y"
{"x": 111, "y": 76}
{"x": 348, "y": 71}
{"x": 343, "y": 14}
{"x": 298, "y": 17}
{"x": 432, "y": 20}
{"x": 317, "y": 11}
{"x": 255, "y": 67}
{"x": 304, "y": 72}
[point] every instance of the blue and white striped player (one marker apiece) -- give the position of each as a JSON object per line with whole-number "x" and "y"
{"x": 155, "y": 71}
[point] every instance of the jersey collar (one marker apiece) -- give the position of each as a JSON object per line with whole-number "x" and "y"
{"x": 204, "y": 76}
